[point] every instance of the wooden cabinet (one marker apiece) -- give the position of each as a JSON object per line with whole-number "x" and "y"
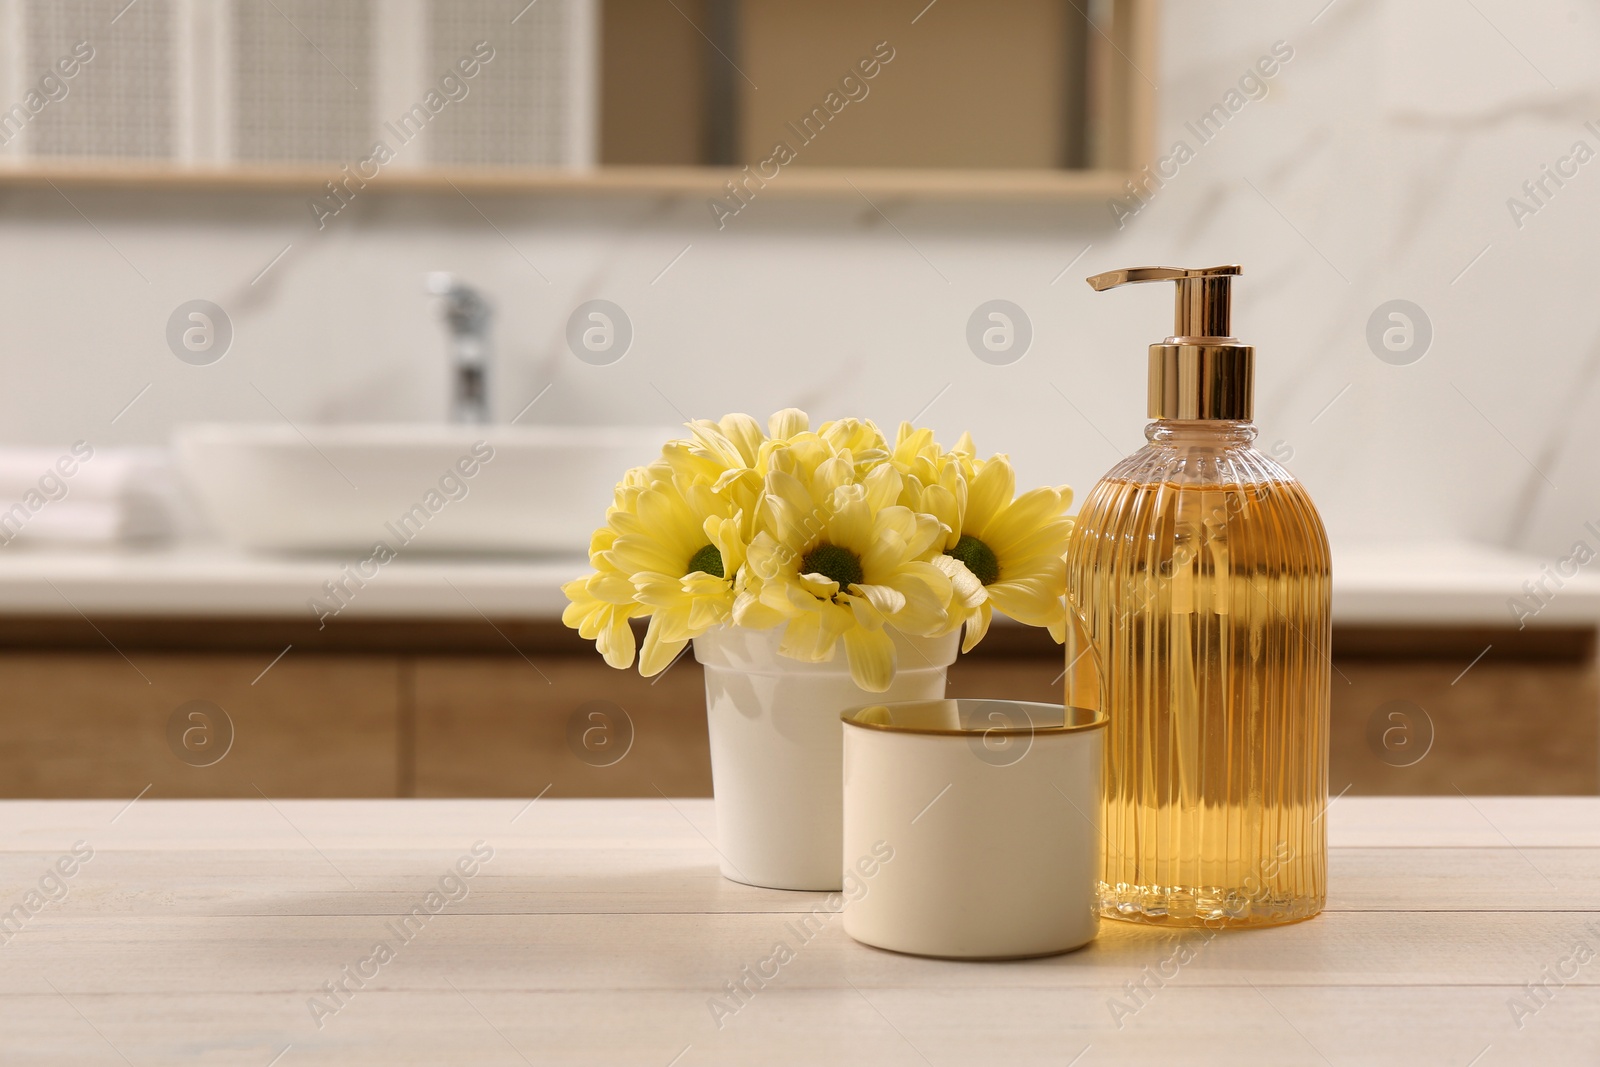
{"x": 516, "y": 709}
{"x": 1476, "y": 712}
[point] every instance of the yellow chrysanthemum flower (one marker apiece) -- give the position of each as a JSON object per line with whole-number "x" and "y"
{"x": 836, "y": 561}
{"x": 1001, "y": 552}
{"x": 715, "y": 448}
{"x": 731, "y": 454}
{"x": 601, "y": 605}
{"x": 683, "y": 547}
{"x": 860, "y": 437}
{"x": 833, "y": 534}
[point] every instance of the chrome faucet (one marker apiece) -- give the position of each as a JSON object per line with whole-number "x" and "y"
{"x": 467, "y": 315}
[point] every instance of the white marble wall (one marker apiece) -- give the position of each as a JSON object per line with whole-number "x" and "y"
{"x": 1378, "y": 166}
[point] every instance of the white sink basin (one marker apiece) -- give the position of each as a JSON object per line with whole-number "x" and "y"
{"x": 421, "y": 488}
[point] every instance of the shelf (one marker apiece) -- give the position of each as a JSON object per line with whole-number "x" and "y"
{"x": 711, "y": 182}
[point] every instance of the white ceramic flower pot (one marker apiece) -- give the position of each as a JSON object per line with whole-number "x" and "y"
{"x": 776, "y": 749}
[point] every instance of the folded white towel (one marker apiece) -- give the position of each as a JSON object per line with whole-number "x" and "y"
{"x": 81, "y": 471}
{"x": 83, "y": 496}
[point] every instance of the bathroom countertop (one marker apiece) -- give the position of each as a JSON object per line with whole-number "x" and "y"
{"x": 1451, "y": 583}
{"x": 215, "y": 582}
{"x": 1458, "y": 931}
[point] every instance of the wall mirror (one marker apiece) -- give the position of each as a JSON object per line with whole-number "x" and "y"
{"x": 1036, "y": 98}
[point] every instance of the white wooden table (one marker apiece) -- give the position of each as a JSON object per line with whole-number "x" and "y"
{"x": 600, "y": 932}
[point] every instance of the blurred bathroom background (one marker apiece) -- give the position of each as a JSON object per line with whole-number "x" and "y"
{"x": 1410, "y": 187}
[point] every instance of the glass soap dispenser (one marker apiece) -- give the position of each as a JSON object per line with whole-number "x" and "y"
{"x": 1200, "y": 570}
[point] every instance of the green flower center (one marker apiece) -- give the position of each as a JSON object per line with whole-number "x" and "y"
{"x": 978, "y": 557}
{"x": 709, "y": 560}
{"x": 831, "y": 561}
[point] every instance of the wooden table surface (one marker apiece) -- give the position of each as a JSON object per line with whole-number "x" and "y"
{"x": 1457, "y": 932}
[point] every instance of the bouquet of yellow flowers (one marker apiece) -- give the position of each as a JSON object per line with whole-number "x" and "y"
{"x": 833, "y": 534}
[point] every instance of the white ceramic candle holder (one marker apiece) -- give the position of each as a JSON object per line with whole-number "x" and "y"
{"x": 972, "y": 827}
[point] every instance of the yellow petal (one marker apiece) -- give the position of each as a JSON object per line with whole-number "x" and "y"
{"x": 927, "y": 536}
{"x": 658, "y": 654}
{"x": 785, "y": 507}
{"x": 727, "y": 536}
{"x": 940, "y": 502}
{"x": 850, "y": 526}
{"x": 574, "y": 616}
{"x": 819, "y": 585}
{"x": 810, "y": 637}
{"x": 749, "y": 612}
{"x": 1031, "y": 602}
{"x": 687, "y": 459}
{"x": 745, "y": 435}
{"x": 656, "y": 589}
{"x": 1023, "y": 517}
{"x": 786, "y": 595}
{"x": 616, "y": 643}
{"x": 886, "y": 601}
{"x": 956, "y": 478}
{"x": 990, "y": 491}
{"x": 884, "y": 486}
{"x": 710, "y": 442}
{"x": 707, "y": 612}
{"x": 765, "y": 557}
{"x": 634, "y": 554}
{"x": 927, "y": 593}
{"x": 611, "y": 588}
{"x": 892, "y": 530}
{"x": 1058, "y": 629}
{"x": 1022, "y": 551}
{"x": 966, "y": 591}
{"x": 787, "y": 423}
{"x": 871, "y": 656}
{"x": 977, "y": 626}
{"x": 831, "y": 474}
{"x": 601, "y": 540}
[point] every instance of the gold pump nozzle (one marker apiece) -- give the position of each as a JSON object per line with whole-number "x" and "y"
{"x": 1201, "y": 371}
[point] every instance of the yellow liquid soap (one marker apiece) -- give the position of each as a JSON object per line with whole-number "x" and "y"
{"x": 1201, "y": 572}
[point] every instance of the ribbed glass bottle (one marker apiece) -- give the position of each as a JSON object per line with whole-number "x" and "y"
{"x": 1201, "y": 570}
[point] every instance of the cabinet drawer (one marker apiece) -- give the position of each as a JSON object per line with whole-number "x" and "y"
{"x": 90, "y": 724}
{"x": 500, "y": 726}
